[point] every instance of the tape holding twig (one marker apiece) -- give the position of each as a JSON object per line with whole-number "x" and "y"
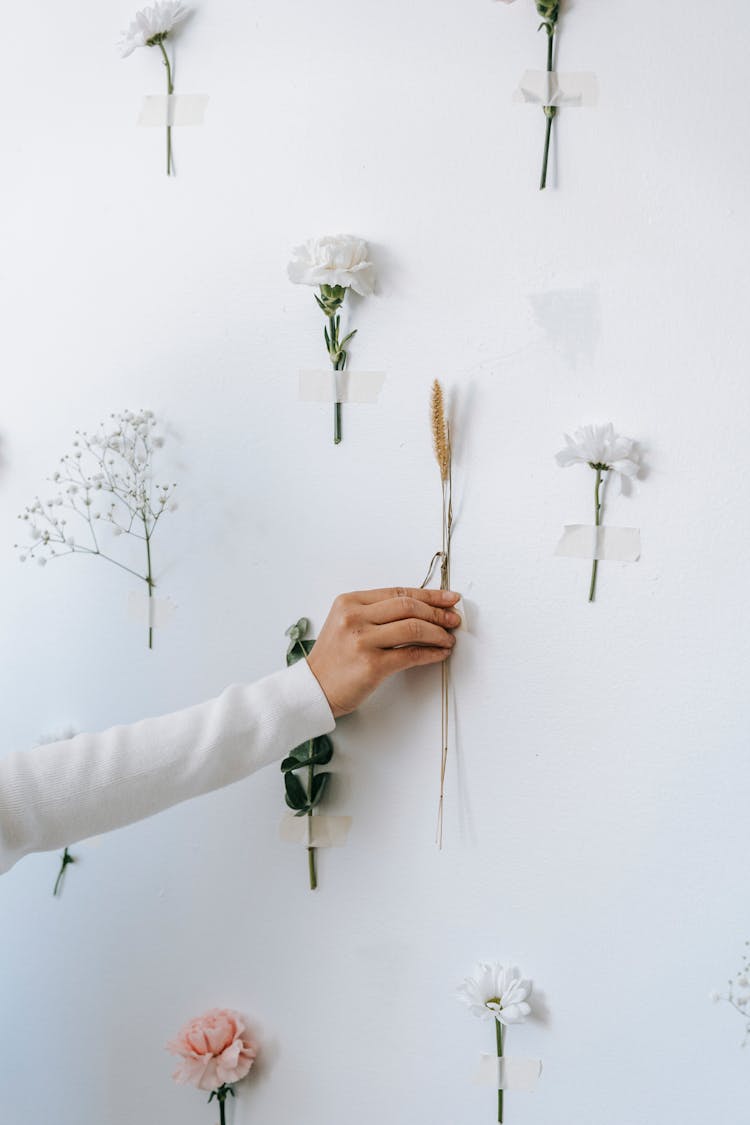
{"x": 460, "y": 609}
{"x": 316, "y": 831}
{"x": 340, "y": 386}
{"x": 607, "y": 544}
{"x": 542, "y": 87}
{"x": 517, "y": 1075}
{"x": 154, "y": 612}
{"x": 173, "y": 109}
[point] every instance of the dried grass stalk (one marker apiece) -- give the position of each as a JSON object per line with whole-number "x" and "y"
{"x": 441, "y": 437}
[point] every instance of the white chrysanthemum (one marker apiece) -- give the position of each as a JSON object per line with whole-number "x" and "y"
{"x": 339, "y": 259}
{"x": 496, "y": 992}
{"x": 150, "y": 24}
{"x": 601, "y": 447}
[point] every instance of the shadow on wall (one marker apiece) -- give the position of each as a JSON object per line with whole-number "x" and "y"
{"x": 570, "y": 321}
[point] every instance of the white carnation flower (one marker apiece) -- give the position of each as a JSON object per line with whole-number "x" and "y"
{"x": 601, "y": 447}
{"x": 496, "y": 992}
{"x": 339, "y": 259}
{"x": 151, "y": 25}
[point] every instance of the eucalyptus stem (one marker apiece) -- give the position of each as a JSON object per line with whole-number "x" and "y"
{"x": 550, "y": 111}
{"x": 597, "y": 523}
{"x": 170, "y": 90}
{"x": 499, "y": 1038}
{"x": 311, "y": 850}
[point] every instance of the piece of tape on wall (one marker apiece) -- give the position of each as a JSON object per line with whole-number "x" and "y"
{"x": 608, "y": 544}
{"x": 173, "y": 109}
{"x": 316, "y": 831}
{"x": 519, "y": 1075}
{"x": 542, "y": 87}
{"x": 154, "y": 612}
{"x": 340, "y": 386}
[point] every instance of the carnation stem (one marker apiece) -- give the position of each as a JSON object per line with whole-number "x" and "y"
{"x": 597, "y": 522}
{"x": 549, "y": 110}
{"x": 338, "y": 365}
{"x": 170, "y": 90}
{"x": 499, "y": 1037}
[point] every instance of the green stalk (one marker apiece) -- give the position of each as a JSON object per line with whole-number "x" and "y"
{"x": 499, "y": 1037}
{"x": 65, "y": 859}
{"x": 549, "y": 110}
{"x": 170, "y": 90}
{"x": 150, "y": 583}
{"x": 311, "y": 851}
{"x": 338, "y": 365}
{"x": 597, "y": 522}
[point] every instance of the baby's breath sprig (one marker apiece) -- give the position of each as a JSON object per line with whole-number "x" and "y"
{"x": 441, "y": 440}
{"x": 738, "y": 993}
{"x": 107, "y": 479}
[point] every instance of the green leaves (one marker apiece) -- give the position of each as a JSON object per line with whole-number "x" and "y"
{"x": 298, "y": 647}
{"x": 316, "y": 752}
{"x": 549, "y": 10}
{"x": 331, "y": 298}
{"x": 297, "y": 797}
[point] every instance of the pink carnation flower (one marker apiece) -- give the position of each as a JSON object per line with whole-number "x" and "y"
{"x": 215, "y": 1050}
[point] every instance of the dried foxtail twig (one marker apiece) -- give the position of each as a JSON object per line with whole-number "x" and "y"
{"x": 441, "y": 437}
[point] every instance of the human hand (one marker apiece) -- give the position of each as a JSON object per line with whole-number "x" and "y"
{"x": 369, "y": 635}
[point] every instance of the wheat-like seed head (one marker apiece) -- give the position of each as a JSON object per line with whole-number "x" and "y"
{"x": 440, "y": 431}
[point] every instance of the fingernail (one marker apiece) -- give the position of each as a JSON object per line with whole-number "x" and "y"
{"x": 449, "y": 597}
{"x": 452, "y": 619}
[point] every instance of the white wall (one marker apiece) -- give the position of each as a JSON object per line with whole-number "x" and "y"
{"x": 597, "y": 794}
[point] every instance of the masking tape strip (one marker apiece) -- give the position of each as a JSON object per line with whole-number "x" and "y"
{"x": 315, "y": 831}
{"x": 340, "y": 386}
{"x": 173, "y": 109}
{"x": 154, "y": 612}
{"x": 608, "y": 544}
{"x": 518, "y": 1075}
{"x": 541, "y": 87}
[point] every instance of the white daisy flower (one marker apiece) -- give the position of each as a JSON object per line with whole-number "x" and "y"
{"x": 152, "y": 25}
{"x": 497, "y": 992}
{"x": 601, "y": 448}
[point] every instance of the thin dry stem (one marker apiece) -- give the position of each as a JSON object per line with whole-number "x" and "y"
{"x": 442, "y": 442}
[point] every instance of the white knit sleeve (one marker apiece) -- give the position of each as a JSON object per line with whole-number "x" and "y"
{"x": 57, "y": 794}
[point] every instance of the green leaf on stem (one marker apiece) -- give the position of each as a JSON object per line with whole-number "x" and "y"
{"x": 317, "y": 752}
{"x": 296, "y": 797}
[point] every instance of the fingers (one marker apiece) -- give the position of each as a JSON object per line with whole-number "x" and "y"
{"x": 412, "y": 656}
{"x": 412, "y": 631}
{"x": 398, "y": 609}
{"x": 430, "y": 597}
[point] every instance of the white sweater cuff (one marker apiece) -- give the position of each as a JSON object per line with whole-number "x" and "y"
{"x": 66, "y": 791}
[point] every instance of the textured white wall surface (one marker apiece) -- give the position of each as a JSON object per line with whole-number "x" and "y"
{"x": 596, "y": 818}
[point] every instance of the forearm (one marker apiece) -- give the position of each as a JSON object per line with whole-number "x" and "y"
{"x": 66, "y": 791}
